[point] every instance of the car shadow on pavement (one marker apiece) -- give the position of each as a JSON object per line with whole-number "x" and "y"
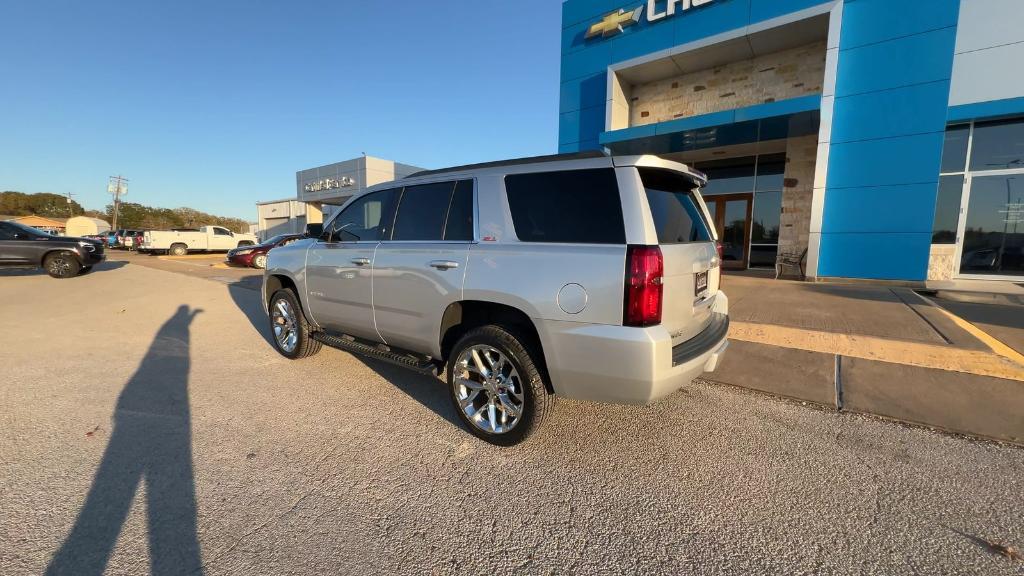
{"x": 247, "y": 299}
{"x": 105, "y": 266}
{"x": 427, "y": 390}
{"x": 151, "y": 441}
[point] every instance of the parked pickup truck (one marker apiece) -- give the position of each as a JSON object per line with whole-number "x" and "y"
{"x": 584, "y": 276}
{"x": 206, "y": 239}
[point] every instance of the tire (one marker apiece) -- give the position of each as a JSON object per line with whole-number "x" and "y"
{"x": 284, "y": 304}
{"x": 178, "y": 250}
{"x": 243, "y": 244}
{"x": 524, "y": 380}
{"x": 85, "y": 270}
{"x": 260, "y": 261}
{"x": 62, "y": 265}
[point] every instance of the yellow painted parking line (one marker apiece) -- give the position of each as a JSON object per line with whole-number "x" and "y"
{"x": 996, "y": 345}
{"x": 941, "y": 357}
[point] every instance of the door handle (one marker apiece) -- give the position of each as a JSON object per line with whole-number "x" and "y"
{"x": 444, "y": 264}
{"x": 360, "y": 261}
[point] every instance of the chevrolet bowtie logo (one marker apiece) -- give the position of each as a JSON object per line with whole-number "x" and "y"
{"x": 613, "y": 23}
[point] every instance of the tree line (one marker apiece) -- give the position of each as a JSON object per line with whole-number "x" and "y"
{"x": 130, "y": 215}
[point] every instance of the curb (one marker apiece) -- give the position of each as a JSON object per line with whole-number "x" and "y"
{"x": 974, "y": 405}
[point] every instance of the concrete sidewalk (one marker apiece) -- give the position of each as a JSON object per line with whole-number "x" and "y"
{"x": 880, "y": 350}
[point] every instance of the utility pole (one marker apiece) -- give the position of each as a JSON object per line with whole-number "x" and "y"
{"x": 117, "y": 188}
{"x": 69, "y": 196}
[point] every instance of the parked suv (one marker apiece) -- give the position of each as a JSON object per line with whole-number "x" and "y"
{"x": 62, "y": 257}
{"x": 584, "y": 276}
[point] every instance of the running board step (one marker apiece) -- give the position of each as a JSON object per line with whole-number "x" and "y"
{"x": 378, "y": 352}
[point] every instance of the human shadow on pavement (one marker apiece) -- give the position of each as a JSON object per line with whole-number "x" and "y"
{"x": 151, "y": 441}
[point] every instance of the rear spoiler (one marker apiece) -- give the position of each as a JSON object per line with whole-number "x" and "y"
{"x": 649, "y": 161}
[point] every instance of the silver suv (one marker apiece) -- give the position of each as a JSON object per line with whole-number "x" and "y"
{"x": 585, "y": 276}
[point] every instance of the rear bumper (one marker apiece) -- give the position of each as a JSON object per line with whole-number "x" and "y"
{"x": 629, "y": 365}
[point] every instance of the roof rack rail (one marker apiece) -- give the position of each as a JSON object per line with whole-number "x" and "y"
{"x": 514, "y": 162}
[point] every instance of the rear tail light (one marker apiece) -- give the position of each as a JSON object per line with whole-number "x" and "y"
{"x": 645, "y": 269}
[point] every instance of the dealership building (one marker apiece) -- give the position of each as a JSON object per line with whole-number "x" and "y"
{"x": 875, "y": 139}
{"x": 321, "y": 191}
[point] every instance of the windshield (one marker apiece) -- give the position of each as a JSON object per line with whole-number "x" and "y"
{"x": 276, "y": 240}
{"x": 30, "y": 230}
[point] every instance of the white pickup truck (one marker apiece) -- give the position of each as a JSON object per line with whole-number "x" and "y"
{"x": 206, "y": 239}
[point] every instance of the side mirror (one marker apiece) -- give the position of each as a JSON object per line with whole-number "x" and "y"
{"x": 314, "y": 230}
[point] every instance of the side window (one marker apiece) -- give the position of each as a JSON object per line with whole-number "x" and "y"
{"x": 366, "y": 219}
{"x": 422, "y": 212}
{"x": 221, "y": 232}
{"x": 5, "y": 232}
{"x": 574, "y": 206}
{"x": 459, "y": 226}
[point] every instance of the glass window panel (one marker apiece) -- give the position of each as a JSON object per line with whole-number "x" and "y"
{"x": 998, "y": 145}
{"x": 734, "y": 233}
{"x": 674, "y": 209}
{"x": 728, "y": 176}
{"x": 771, "y": 169}
{"x": 994, "y": 236}
{"x": 460, "y": 216}
{"x": 947, "y": 209}
{"x": 763, "y": 256}
{"x": 767, "y": 214}
{"x": 366, "y": 219}
{"x": 954, "y": 149}
{"x": 577, "y": 206}
{"x": 422, "y": 211}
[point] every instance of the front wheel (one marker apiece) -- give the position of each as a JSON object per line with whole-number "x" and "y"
{"x": 495, "y": 386}
{"x": 62, "y": 265}
{"x": 292, "y": 334}
{"x": 178, "y": 250}
{"x": 260, "y": 261}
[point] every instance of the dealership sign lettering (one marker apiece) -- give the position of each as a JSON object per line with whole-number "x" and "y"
{"x": 329, "y": 184}
{"x": 621, "y": 19}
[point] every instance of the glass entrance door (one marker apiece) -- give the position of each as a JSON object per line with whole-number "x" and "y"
{"x": 993, "y": 235}
{"x": 732, "y": 214}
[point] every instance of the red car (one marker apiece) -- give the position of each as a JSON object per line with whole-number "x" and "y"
{"x": 256, "y": 256}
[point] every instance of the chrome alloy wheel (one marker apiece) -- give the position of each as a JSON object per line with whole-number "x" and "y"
{"x": 60, "y": 266}
{"x": 286, "y": 325}
{"x": 488, "y": 389}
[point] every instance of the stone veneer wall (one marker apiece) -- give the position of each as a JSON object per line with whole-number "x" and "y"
{"x": 942, "y": 262}
{"x": 795, "y": 222}
{"x": 787, "y": 74}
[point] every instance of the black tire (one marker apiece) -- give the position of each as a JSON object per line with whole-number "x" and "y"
{"x": 244, "y": 243}
{"x": 178, "y": 250}
{"x": 537, "y": 402}
{"x": 62, "y": 265}
{"x": 305, "y": 345}
{"x": 259, "y": 261}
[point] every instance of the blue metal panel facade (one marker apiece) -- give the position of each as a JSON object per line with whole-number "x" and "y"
{"x": 892, "y": 95}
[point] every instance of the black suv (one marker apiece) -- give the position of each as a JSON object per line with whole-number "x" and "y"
{"x": 25, "y": 247}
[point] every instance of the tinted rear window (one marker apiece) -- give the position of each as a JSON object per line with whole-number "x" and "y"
{"x": 674, "y": 208}
{"x": 574, "y": 206}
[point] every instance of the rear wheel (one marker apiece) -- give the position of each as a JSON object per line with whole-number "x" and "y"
{"x": 288, "y": 325}
{"x": 495, "y": 386}
{"x": 62, "y": 265}
{"x": 178, "y": 250}
{"x": 259, "y": 261}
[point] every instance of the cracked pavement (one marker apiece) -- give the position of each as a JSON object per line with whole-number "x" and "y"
{"x": 344, "y": 466}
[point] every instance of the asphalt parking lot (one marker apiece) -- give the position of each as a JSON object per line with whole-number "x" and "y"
{"x": 148, "y": 427}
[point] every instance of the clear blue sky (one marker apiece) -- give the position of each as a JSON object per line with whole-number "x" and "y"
{"x": 216, "y": 104}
